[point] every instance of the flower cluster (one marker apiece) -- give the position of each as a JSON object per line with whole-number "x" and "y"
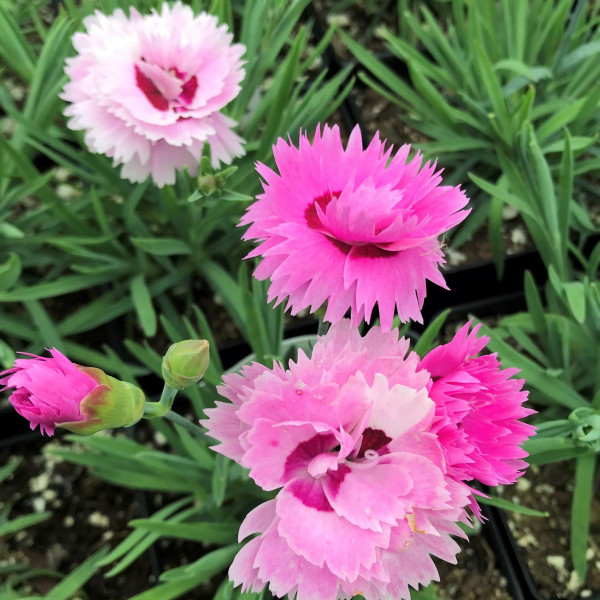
{"x": 352, "y": 227}
{"x": 148, "y": 89}
{"x": 370, "y": 451}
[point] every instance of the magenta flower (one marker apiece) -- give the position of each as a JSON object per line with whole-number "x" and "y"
{"x": 478, "y": 408}
{"x": 344, "y": 226}
{"x": 54, "y": 392}
{"x": 364, "y": 496}
{"x": 147, "y": 90}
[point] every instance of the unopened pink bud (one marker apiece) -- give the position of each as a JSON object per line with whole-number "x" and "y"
{"x": 55, "y": 392}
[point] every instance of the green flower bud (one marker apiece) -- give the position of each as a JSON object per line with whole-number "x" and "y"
{"x": 185, "y": 363}
{"x": 207, "y": 184}
{"x": 111, "y": 404}
{"x": 586, "y": 422}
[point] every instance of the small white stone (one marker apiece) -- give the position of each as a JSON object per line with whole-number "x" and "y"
{"x": 8, "y": 126}
{"x": 574, "y": 583}
{"x": 67, "y": 192}
{"x": 556, "y": 561}
{"x": 62, "y": 174}
{"x": 39, "y": 504}
{"x": 318, "y": 63}
{"x": 107, "y": 535}
{"x": 159, "y": 438}
{"x": 518, "y": 236}
{"x": 544, "y": 488}
{"x": 340, "y": 19}
{"x": 509, "y": 212}
{"x": 589, "y": 554}
{"x": 68, "y": 521}
{"x": 585, "y": 593}
{"x": 39, "y": 483}
{"x": 527, "y": 540}
{"x": 17, "y": 92}
{"x": 49, "y": 495}
{"x": 523, "y": 484}
{"x": 99, "y": 520}
{"x": 455, "y": 257}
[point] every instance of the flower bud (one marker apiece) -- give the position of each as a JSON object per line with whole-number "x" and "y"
{"x": 112, "y": 403}
{"x": 185, "y": 363}
{"x": 207, "y": 184}
{"x": 55, "y": 392}
{"x": 586, "y": 423}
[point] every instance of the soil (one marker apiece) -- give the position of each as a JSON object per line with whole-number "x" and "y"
{"x": 360, "y": 20}
{"x": 544, "y": 542}
{"x": 475, "y": 577}
{"x": 87, "y": 514}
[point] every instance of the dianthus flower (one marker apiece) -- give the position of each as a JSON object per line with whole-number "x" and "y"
{"x": 478, "y": 407}
{"x": 147, "y": 90}
{"x": 364, "y": 496}
{"x": 55, "y": 392}
{"x": 352, "y": 227}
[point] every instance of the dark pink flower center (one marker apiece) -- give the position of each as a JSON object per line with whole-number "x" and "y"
{"x": 361, "y": 250}
{"x": 149, "y": 88}
{"x": 311, "y": 214}
{"x": 304, "y": 487}
{"x": 309, "y": 490}
{"x": 189, "y": 89}
{"x": 373, "y": 439}
{"x": 304, "y": 452}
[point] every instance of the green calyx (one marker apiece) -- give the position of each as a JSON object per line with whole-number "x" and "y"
{"x": 111, "y": 404}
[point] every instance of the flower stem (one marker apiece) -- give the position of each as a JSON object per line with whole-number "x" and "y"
{"x": 195, "y": 430}
{"x": 163, "y": 406}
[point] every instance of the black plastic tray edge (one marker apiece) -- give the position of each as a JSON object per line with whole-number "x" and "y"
{"x": 493, "y": 534}
{"x": 521, "y": 567}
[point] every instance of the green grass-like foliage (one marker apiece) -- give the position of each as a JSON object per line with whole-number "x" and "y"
{"x": 477, "y": 76}
{"x": 108, "y": 249}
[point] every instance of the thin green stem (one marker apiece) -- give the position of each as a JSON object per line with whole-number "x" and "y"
{"x": 195, "y": 430}
{"x": 163, "y": 406}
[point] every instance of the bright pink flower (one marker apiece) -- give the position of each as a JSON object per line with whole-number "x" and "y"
{"x": 365, "y": 498}
{"x": 147, "y": 90}
{"x": 478, "y": 408}
{"x": 344, "y": 226}
{"x": 54, "y": 392}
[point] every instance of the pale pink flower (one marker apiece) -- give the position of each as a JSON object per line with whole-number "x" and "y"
{"x": 478, "y": 407}
{"x": 365, "y": 498}
{"x": 55, "y": 392}
{"x": 148, "y": 89}
{"x": 352, "y": 227}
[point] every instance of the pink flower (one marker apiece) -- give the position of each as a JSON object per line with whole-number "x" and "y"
{"x": 344, "y": 226}
{"x": 54, "y": 392}
{"x": 478, "y": 408}
{"x": 147, "y": 90}
{"x": 365, "y": 498}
